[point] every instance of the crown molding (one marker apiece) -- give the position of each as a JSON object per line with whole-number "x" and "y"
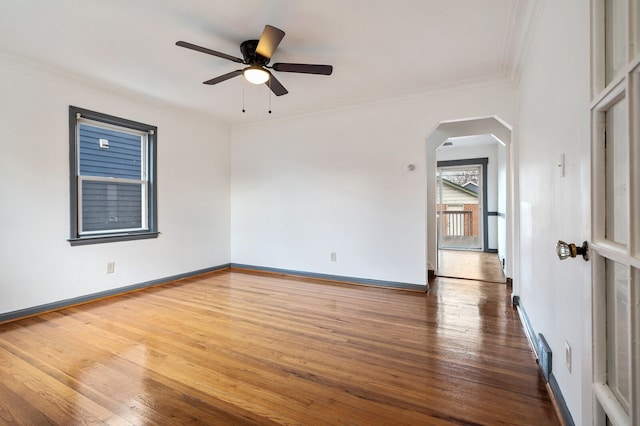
{"x": 94, "y": 84}
{"x": 414, "y": 96}
{"x": 517, "y": 44}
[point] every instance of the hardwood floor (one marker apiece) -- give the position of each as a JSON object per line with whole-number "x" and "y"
{"x": 241, "y": 348}
{"x": 474, "y": 265}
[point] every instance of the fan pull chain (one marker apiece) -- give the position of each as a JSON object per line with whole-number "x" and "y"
{"x": 243, "y": 110}
{"x": 269, "y": 96}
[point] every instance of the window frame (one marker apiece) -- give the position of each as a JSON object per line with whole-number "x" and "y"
{"x": 81, "y": 115}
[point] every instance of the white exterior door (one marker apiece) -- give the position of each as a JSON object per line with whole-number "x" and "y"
{"x": 615, "y": 125}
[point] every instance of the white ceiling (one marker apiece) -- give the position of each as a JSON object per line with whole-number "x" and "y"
{"x": 379, "y": 49}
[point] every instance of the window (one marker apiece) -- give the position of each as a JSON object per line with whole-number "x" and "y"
{"x": 113, "y": 178}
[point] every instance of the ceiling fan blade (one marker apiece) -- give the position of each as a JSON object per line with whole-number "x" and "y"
{"x": 304, "y": 68}
{"x": 223, "y": 77}
{"x": 276, "y": 87}
{"x": 208, "y": 51}
{"x": 269, "y": 41}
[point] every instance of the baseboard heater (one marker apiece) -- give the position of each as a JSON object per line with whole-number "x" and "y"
{"x": 544, "y": 357}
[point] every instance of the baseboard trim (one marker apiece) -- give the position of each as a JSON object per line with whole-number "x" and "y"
{"x": 80, "y": 300}
{"x": 328, "y": 277}
{"x": 515, "y": 300}
{"x": 556, "y": 394}
{"x": 528, "y": 329}
{"x": 559, "y": 401}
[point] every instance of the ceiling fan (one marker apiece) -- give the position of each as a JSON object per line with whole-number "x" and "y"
{"x": 257, "y": 54}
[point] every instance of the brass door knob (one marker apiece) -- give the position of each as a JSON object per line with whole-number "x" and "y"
{"x": 564, "y": 250}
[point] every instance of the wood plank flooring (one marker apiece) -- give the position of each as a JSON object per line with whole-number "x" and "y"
{"x": 474, "y": 265}
{"x": 241, "y": 348}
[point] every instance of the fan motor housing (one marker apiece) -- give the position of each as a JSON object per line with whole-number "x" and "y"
{"x": 248, "y": 50}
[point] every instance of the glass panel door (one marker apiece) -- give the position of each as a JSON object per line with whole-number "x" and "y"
{"x": 615, "y": 119}
{"x": 460, "y": 209}
{"x": 616, "y": 173}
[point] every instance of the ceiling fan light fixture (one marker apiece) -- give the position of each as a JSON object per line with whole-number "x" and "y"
{"x": 255, "y": 74}
{"x": 256, "y": 54}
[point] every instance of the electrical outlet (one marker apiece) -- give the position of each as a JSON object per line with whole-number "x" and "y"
{"x": 111, "y": 267}
{"x": 567, "y": 355}
{"x": 334, "y": 256}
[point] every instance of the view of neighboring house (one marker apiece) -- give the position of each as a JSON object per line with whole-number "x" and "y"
{"x": 471, "y": 186}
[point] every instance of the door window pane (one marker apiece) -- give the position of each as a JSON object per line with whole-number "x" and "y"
{"x": 616, "y": 19}
{"x": 616, "y": 174}
{"x": 618, "y": 329}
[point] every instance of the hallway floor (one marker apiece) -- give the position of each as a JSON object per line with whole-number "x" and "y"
{"x": 473, "y": 265}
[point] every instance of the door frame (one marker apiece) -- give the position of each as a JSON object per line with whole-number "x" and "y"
{"x": 483, "y": 163}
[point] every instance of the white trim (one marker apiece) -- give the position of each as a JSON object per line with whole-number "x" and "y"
{"x": 634, "y": 219}
{"x": 634, "y": 348}
{"x": 114, "y": 232}
{"x": 144, "y": 216}
{"x": 597, "y": 48}
{"x": 517, "y": 44}
{"x": 616, "y": 93}
{"x": 634, "y": 156}
{"x": 634, "y": 24}
{"x": 103, "y": 125}
{"x": 111, "y": 179}
{"x": 609, "y": 96}
{"x": 609, "y": 403}
{"x": 611, "y": 250}
{"x": 631, "y": 68}
{"x": 624, "y": 87}
{"x": 143, "y": 137}
{"x": 79, "y": 203}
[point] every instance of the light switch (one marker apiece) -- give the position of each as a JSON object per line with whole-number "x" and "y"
{"x": 561, "y": 165}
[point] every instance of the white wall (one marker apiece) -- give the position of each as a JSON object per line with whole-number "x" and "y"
{"x": 554, "y": 119}
{"x": 37, "y": 264}
{"x": 502, "y": 206}
{"x": 338, "y": 182}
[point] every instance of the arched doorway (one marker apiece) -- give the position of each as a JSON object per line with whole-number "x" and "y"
{"x": 488, "y": 127}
